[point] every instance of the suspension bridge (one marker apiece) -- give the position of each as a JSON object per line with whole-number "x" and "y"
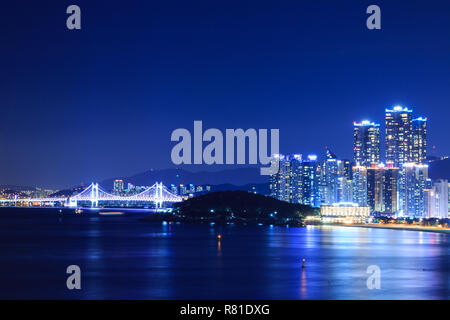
{"x": 93, "y": 194}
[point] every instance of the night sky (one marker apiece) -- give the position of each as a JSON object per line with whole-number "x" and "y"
{"x": 102, "y": 101}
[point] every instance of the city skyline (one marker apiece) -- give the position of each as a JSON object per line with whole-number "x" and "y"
{"x": 399, "y": 186}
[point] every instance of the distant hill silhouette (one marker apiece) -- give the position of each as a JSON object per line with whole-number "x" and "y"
{"x": 241, "y": 204}
{"x": 439, "y": 169}
{"x": 68, "y": 192}
{"x": 236, "y": 177}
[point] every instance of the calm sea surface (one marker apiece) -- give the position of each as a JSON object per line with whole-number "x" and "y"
{"x": 123, "y": 258}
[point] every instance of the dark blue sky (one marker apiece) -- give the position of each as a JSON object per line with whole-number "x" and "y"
{"x": 102, "y": 102}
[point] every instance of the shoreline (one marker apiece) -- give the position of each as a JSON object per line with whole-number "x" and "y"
{"x": 399, "y": 227}
{"x": 159, "y": 216}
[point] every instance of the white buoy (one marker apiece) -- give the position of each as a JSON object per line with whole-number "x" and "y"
{"x": 303, "y": 263}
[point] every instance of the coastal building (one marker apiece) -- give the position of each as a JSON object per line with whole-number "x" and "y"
{"x": 309, "y": 182}
{"x": 366, "y": 143}
{"x": 348, "y": 169}
{"x": 416, "y": 181}
{"x": 382, "y": 188}
{"x": 345, "y": 192}
{"x": 174, "y": 189}
{"x": 345, "y": 182}
{"x": 294, "y": 177}
{"x": 118, "y": 187}
{"x": 419, "y": 140}
{"x": 276, "y": 184}
{"x": 436, "y": 200}
{"x": 331, "y": 173}
{"x": 130, "y": 187}
{"x": 398, "y": 135}
{"x": 375, "y": 188}
{"x": 344, "y": 213}
{"x": 390, "y": 189}
{"x": 285, "y": 184}
{"x": 359, "y": 185}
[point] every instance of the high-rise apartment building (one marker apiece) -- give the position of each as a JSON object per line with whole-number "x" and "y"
{"x": 382, "y": 188}
{"x": 118, "y": 187}
{"x": 436, "y": 200}
{"x": 366, "y": 143}
{"x": 419, "y": 140}
{"x": 375, "y": 188}
{"x": 359, "y": 185}
{"x": 416, "y": 181}
{"x": 348, "y": 166}
{"x": 174, "y": 189}
{"x": 345, "y": 190}
{"x": 285, "y": 184}
{"x": 399, "y": 135}
{"x": 332, "y": 171}
{"x": 309, "y": 182}
{"x": 390, "y": 189}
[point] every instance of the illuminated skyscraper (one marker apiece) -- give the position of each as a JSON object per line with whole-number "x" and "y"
{"x": 346, "y": 181}
{"x": 309, "y": 182}
{"x": 174, "y": 189}
{"x": 436, "y": 200}
{"x": 399, "y": 135}
{"x": 294, "y": 177}
{"x": 382, "y": 188}
{"x": 345, "y": 189}
{"x": 331, "y": 185}
{"x": 366, "y": 143}
{"x": 359, "y": 185}
{"x": 416, "y": 181}
{"x": 375, "y": 188}
{"x": 419, "y": 140}
{"x": 390, "y": 189}
{"x": 285, "y": 184}
{"x": 276, "y": 183}
{"x": 118, "y": 186}
{"x": 348, "y": 172}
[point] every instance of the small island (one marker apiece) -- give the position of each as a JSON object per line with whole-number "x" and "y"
{"x": 239, "y": 207}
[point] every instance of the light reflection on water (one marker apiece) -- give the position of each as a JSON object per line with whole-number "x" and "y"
{"x": 122, "y": 257}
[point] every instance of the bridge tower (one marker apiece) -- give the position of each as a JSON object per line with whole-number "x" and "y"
{"x": 158, "y": 195}
{"x": 94, "y": 195}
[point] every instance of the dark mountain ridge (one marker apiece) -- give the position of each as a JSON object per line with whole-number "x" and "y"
{"x": 237, "y": 177}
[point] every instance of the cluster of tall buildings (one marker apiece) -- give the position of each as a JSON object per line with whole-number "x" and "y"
{"x": 184, "y": 190}
{"x": 297, "y": 180}
{"x": 189, "y": 189}
{"x": 119, "y": 188}
{"x": 400, "y": 186}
